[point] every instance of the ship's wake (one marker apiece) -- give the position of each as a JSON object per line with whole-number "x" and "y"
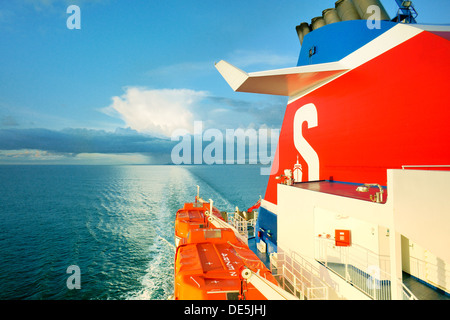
{"x": 180, "y": 187}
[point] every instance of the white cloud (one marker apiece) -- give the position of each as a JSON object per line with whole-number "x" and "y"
{"x": 157, "y": 112}
{"x": 36, "y": 156}
{"x": 31, "y": 154}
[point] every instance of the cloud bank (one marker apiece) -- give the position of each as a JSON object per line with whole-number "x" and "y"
{"x": 69, "y": 145}
{"x": 82, "y": 141}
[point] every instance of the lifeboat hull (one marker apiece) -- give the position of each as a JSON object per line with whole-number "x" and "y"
{"x": 208, "y": 266}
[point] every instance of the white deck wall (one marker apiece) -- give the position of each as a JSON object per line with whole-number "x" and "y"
{"x": 417, "y": 207}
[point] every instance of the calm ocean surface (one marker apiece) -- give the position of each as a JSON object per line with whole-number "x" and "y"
{"x": 114, "y": 222}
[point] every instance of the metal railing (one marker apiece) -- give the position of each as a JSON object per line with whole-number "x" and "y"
{"x": 364, "y": 269}
{"x": 406, "y": 293}
{"x": 432, "y": 272}
{"x": 297, "y": 276}
{"x": 245, "y": 227}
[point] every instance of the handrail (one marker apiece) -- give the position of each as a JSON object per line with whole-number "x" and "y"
{"x": 300, "y": 274}
{"x": 241, "y": 224}
{"x": 222, "y": 224}
{"x": 407, "y": 293}
{"x": 369, "y": 281}
{"x": 268, "y": 289}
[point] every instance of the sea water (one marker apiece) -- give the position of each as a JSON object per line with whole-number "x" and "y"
{"x": 116, "y": 223}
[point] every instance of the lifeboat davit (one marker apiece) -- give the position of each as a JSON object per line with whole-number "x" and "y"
{"x": 208, "y": 266}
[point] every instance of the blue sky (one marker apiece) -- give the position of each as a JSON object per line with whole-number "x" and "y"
{"x": 136, "y": 70}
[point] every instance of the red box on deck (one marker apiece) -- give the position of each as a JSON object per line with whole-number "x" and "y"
{"x": 342, "y": 238}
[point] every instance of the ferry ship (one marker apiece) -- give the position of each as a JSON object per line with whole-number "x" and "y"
{"x": 356, "y": 206}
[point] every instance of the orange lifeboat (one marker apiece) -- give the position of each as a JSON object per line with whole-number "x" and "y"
{"x": 193, "y": 216}
{"x": 208, "y": 265}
